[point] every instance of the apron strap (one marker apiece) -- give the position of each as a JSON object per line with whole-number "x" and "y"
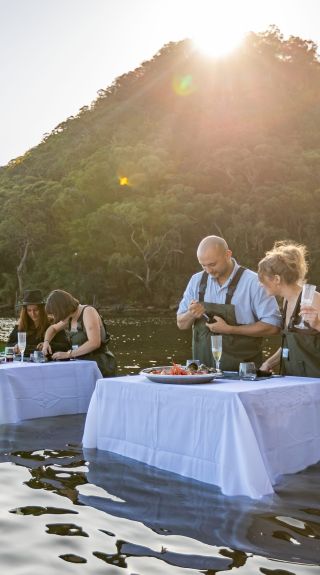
{"x": 233, "y": 284}
{"x": 284, "y": 313}
{"x": 292, "y": 320}
{"x": 231, "y": 287}
{"x": 295, "y": 314}
{"x": 203, "y": 286}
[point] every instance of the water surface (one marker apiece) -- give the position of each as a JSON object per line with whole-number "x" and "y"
{"x": 69, "y": 511}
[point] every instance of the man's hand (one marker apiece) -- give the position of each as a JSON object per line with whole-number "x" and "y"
{"x": 196, "y": 309}
{"x": 219, "y": 326}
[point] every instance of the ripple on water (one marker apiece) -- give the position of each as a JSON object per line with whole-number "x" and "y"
{"x": 61, "y": 507}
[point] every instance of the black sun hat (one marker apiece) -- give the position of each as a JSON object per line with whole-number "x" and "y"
{"x": 32, "y": 297}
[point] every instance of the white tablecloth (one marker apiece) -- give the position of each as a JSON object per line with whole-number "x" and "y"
{"x": 30, "y": 390}
{"x": 237, "y": 435}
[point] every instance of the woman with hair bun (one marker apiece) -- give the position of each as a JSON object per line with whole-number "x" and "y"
{"x": 282, "y": 272}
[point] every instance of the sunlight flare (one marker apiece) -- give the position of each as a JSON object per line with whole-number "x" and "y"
{"x": 216, "y": 43}
{"x": 219, "y": 28}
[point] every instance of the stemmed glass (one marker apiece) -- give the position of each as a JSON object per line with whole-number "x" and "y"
{"x": 22, "y": 342}
{"x": 216, "y": 348}
{"x": 308, "y": 291}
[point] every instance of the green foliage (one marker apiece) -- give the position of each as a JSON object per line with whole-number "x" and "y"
{"x": 114, "y": 201}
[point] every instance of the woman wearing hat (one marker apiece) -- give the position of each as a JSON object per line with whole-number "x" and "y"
{"x": 34, "y": 321}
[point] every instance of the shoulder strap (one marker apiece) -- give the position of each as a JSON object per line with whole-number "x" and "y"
{"x": 283, "y": 314}
{"x": 231, "y": 288}
{"x": 233, "y": 284}
{"x": 80, "y": 318}
{"x": 203, "y": 286}
{"x": 295, "y": 314}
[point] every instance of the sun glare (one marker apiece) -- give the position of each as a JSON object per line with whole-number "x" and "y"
{"x": 218, "y": 41}
{"x": 218, "y": 44}
{"x": 218, "y": 29}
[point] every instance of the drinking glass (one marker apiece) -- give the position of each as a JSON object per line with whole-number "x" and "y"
{"x": 38, "y": 357}
{"x": 306, "y": 299}
{"x": 8, "y": 353}
{"x": 216, "y": 348}
{"x": 247, "y": 370}
{"x": 22, "y": 342}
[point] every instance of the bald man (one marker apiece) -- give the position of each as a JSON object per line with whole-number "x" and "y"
{"x": 227, "y": 299}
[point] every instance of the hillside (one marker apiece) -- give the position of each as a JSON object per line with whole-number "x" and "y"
{"x": 113, "y": 202}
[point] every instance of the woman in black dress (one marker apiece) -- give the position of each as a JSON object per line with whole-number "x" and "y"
{"x": 34, "y": 321}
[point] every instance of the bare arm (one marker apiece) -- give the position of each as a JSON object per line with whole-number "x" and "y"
{"x": 257, "y": 329}
{"x": 185, "y": 320}
{"x": 51, "y": 331}
{"x": 91, "y": 321}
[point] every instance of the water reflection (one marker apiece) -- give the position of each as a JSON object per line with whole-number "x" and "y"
{"x": 108, "y": 513}
{"x": 120, "y": 514}
{"x": 168, "y": 504}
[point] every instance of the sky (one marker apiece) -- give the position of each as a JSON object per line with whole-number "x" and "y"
{"x": 56, "y": 54}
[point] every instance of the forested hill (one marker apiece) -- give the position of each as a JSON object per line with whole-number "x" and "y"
{"x": 114, "y": 201}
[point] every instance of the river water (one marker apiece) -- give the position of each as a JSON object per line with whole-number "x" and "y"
{"x": 92, "y": 512}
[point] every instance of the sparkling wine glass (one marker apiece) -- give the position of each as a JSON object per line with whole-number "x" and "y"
{"x": 308, "y": 291}
{"x": 22, "y": 342}
{"x": 216, "y": 348}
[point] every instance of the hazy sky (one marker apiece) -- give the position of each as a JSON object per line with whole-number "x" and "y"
{"x": 56, "y": 54}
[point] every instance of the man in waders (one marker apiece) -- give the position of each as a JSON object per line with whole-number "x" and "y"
{"x": 227, "y": 299}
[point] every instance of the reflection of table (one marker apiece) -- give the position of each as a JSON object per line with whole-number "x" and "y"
{"x": 31, "y": 390}
{"x": 239, "y": 436}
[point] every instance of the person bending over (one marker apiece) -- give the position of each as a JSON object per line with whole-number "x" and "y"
{"x": 227, "y": 299}
{"x": 85, "y": 329}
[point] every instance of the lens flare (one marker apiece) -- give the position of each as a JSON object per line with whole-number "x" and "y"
{"x": 183, "y": 85}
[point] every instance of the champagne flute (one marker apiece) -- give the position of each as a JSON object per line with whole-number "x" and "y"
{"x": 308, "y": 291}
{"x": 216, "y": 348}
{"x": 22, "y": 342}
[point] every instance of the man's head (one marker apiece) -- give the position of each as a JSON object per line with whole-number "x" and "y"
{"x": 215, "y": 257}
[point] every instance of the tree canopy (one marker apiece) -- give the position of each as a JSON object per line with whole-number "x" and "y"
{"x": 113, "y": 202}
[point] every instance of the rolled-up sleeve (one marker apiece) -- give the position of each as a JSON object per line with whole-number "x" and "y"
{"x": 265, "y": 307}
{"x": 190, "y": 294}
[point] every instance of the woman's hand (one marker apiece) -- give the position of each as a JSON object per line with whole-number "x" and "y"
{"x": 311, "y": 316}
{"x": 45, "y": 347}
{"x": 61, "y": 355}
{"x": 265, "y": 366}
{"x": 16, "y": 349}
